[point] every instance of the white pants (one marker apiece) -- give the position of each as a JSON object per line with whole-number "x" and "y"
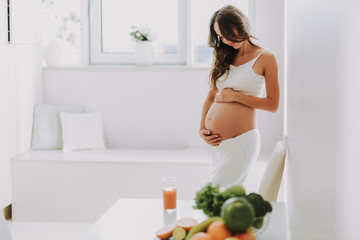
{"x": 234, "y": 157}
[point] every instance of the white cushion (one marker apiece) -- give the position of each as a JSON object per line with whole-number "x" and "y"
{"x": 46, "y": 127}
{"x": 271, "y": 180}
{"x": 82, "y": 131}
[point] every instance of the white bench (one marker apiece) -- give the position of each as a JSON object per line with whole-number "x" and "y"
{"x": 79, "y": 186}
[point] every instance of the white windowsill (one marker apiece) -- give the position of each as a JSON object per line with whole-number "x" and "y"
{"x": 126, "y": 68}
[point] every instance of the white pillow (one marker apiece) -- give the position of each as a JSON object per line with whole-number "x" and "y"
{"x": 82, "y": 131}
{"x": 46, "y": 126}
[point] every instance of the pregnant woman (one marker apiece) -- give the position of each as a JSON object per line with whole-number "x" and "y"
{"x": 243, "y": 78}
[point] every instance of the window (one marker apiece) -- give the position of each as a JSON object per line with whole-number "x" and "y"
{"x": 181, "y": 27}
{"x": 110, "y": 28}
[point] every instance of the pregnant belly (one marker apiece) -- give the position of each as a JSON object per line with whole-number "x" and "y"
{"x": 230, "y": 119}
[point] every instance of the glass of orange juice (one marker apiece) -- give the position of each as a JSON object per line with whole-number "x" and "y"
{"x": 169, "y": 192}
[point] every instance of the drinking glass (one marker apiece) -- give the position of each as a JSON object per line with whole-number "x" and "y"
{"x": 169, "y": 193}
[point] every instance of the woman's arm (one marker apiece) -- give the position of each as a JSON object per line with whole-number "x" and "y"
{"x": 212, "y": 139}
{"x": 271, "y": 102}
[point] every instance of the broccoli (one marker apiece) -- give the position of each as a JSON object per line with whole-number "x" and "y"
{"x": 261, "y": 207}
{"x": 210, "y": 199}
{"x": 205, "y": 197}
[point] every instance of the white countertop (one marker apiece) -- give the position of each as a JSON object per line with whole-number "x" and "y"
{"x": 139, "y": 219}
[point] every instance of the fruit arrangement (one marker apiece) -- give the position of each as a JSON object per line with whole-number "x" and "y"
{"x": 210, "y": 200}
{"x": 233, "y": 215}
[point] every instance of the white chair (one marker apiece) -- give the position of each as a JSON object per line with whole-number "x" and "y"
{"x": 271, "y": 180}
{"x": 4, "y": 230}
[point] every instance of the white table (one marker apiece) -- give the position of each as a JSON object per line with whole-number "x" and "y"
{"x": 139, "y": 219}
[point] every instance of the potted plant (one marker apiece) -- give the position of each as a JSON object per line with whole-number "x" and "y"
{"x": 144, "y": 50}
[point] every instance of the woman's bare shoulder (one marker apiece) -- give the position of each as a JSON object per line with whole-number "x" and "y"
{"x": 268, "y": 58}
{"x": 268, "y": 54}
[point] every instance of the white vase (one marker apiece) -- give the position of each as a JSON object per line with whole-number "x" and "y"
{"x": 52, "y": 53}
{"x": 144, "y": 53}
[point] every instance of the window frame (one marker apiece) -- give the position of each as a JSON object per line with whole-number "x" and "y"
{"x": 95, "y": 42}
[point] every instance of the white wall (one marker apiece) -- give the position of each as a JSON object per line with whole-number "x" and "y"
{"x": 25, "y": 21}
{"x": 5, "y": 194}
{"x": 20, "y": 90}
{"x": 323, "y": 195}
{"x": 267, "y": 23}
{"x": 348, "y": 162}
{"x": 142, "y": 107}
{"x": 25, "y": 78}
{"x": 3, "y": 22}
{"x": 20, "y": 84}
{"x": 25, "y": 91}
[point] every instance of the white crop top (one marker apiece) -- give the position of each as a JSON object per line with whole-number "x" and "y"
{"x": 243, "y": 79}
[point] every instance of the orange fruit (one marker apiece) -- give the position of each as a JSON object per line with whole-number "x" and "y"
{"x": 186, "y": 223}
{"x": 201, "y": 236}
{"x": 165, "y": 232}
{"x": 248, "y": 235}
{"x": 218, "y": 230}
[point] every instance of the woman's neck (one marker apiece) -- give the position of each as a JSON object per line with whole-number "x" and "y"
{"x": 245, "y": 48}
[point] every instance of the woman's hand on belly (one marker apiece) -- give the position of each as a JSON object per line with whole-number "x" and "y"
{"x": 212, "y": 139}
{"x": 225, "y": 95}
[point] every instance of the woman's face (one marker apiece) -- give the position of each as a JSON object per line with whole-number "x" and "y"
{"x": 235, "y": 45}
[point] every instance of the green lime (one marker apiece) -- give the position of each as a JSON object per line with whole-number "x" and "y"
{"x": 238, "y": 214}
{"x": 236, "y": 190}
{"x": 179, "y": 233}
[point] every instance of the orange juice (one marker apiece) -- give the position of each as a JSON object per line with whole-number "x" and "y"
{"x": 169, "y": 196}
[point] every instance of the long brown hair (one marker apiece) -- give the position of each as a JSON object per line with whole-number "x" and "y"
{"x": 235, "y": 27}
